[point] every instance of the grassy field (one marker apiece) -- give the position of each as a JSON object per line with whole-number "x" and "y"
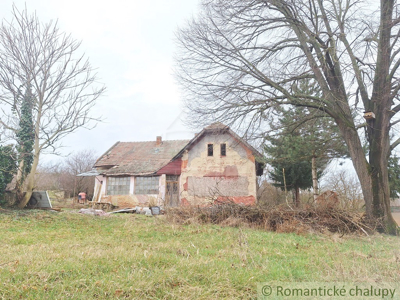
{"x": 50, "y": 255}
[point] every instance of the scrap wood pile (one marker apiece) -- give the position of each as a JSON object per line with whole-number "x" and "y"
{"x": 280, "y": 219}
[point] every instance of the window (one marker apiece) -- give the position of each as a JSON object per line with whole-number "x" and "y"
{"x": 118, "y": 185}
{"x": 210, "y": 150}
{"x": 146, "y": 185}
{"x": 223, "y": 149}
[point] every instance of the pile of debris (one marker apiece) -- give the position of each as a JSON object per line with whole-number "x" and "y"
{"x": 93, "y": 212}
{"x": 279, "y": 219}
{"x": 148, "y": 211}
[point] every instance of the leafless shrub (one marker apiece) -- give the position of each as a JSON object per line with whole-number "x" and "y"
{"x": 306, "y": 197}
{"x": 348, "y": 189}
{"x": 62, "y": 176}
{"x": 269, "y": 195}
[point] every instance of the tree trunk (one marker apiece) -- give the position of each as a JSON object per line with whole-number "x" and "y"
{"x": 378, "y": 133}
{"x": 314, "y": 176}
{"x": 379, "y": 127}
{"x": 30, "y": 185}
{"x": 19, "y": 182}
{"x": 296, "y": 196}
{"x": 381, "y": 190}
{"x": 373, "y": 176}
{"x": 360, "y": 163}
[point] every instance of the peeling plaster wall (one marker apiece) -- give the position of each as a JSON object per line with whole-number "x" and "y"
{"x": 132, "y": 200}
{"x": 163, "y": 183}
{"x": 206, "y": 178}
{"x": 218, "y": 186}
{"x": 97, "y": 183}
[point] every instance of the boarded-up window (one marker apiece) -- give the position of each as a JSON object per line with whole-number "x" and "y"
{"x": 146, "y": 185}
{"x": 223, "y": 149}
{"x": 118, "y": 185}
{"x": 210, "y": 150}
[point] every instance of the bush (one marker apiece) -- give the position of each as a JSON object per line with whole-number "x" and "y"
{"x": 348, "y": 189}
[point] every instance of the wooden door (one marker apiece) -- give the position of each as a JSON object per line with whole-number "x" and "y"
{"x": 172, "y": 191}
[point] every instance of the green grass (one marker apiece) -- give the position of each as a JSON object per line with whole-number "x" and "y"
{"x": 48, "y": 255}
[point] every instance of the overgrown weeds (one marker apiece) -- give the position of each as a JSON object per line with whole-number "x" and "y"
{"x": 279, "y": 218}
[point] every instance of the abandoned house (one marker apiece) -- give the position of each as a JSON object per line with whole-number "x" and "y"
{"x": 215, "y": 165}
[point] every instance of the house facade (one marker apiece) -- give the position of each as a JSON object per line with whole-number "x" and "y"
{"x": 215, "y": 165}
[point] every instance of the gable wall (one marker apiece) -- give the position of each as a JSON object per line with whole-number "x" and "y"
{"x": 206, "y": 178}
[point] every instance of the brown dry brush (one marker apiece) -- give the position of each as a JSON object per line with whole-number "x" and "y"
{"x": 279, "y": 218}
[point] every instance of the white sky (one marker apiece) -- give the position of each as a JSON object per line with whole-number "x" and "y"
{"x": 131, "y": 43}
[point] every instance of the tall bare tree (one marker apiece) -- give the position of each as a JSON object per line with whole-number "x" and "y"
{"x": 62, "y": 81}
{"x": 240, "y": 59}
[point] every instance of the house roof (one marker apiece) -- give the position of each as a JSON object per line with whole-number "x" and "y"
{"x": 146, "y": 158}
{"x": 219, "y": 128}
{"x": 138, "y": 158}
{"x": 90, "y": 173}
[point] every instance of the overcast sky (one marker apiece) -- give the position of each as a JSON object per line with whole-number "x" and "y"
{"x": 131, "y": 43}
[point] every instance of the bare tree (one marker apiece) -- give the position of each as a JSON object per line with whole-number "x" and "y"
{"x": 239, "y": 60}
{"x": 62, "y": 175}
{"x": 63, "y": 83}
{"x": 48, "y": 176}
{"x": 347, "y": 187}
{"x": 79, "y": 162}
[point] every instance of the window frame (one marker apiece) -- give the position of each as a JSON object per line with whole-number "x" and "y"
{"x": 147, "y": 185}
{"x": 118, "y": 185}
{"x": 223, "y": 149}
{"x": 210, "y": 150}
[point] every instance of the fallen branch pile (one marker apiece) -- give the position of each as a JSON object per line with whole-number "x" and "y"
{"x": 279, "y": 219}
